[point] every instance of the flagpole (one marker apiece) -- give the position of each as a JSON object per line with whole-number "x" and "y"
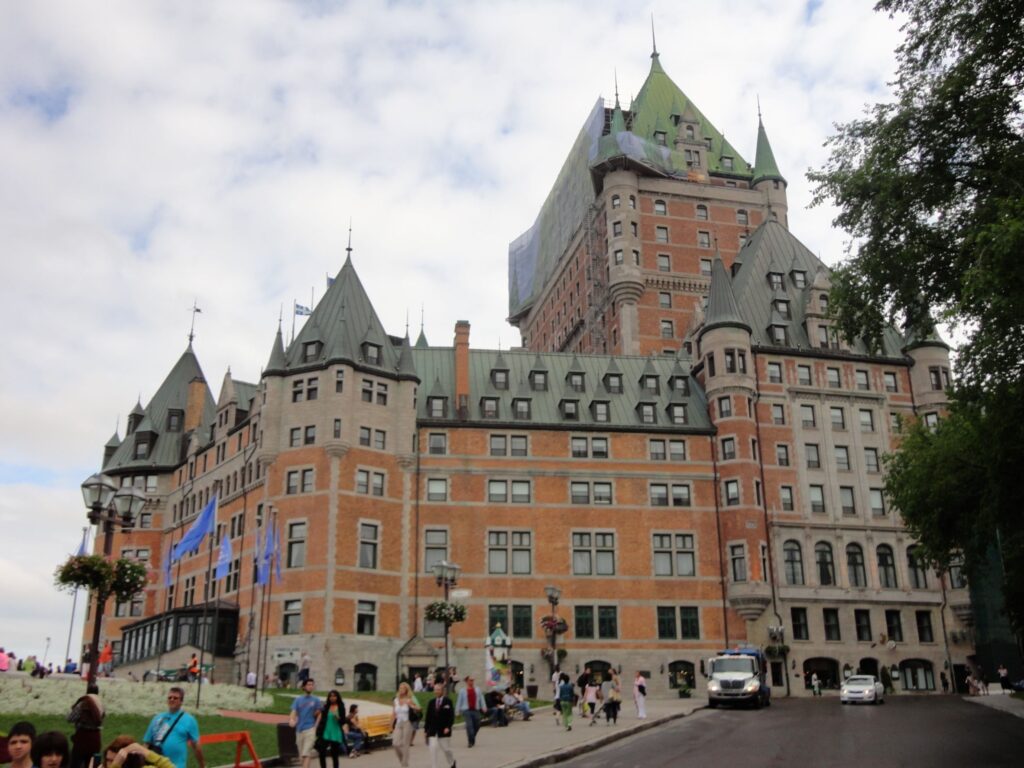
{"x": 205, "y": 635}
{"x": 255, "y": 668}
{"x": 74, "y": 603}
{"x": 167, "y": 569}
{"x": 269, "y": 593}
{"x": 293, "y": 322}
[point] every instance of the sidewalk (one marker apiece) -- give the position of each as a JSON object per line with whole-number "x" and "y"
{"x": 527, "y": 744}
{"x": 998, "y": 699}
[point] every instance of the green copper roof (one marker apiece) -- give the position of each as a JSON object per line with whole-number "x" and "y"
{"x": 421, "y": 340}
{"x": 277, "y": 361}
{"x": 722, "y": 310}
{"x": 765, "y": 167}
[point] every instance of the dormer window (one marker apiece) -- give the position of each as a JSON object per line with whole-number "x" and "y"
{"x": 489, "y": 407}
{"x": 613, "y": 383}
{"x": 677, "y": 413}
{"x": 823, "y": 303}
{"x": 799, "y": 278}
{"x": 778, "y": 334}
{"x": 599, "y": 411}
{"x": 680, "y": 384}
{"x": 576, "y": 382}
{"x": 371, "y": 353}
{"x": 141, "y": 449}
{"x": 175, "y": 420}
{"x": 690, "y": 133}
{"x": 311, "y": 351}
{"x": 437, "y": 407}
{"x": 570, "y": 410}
{"x": 539, "y": 381}
{"x": 499, "y": 378}
{"x": 727, "y": 166}
{"x": 782, "y": 307}
{"x": 521, "y": 409}
{"x": 775, "y": 280}
{"x": 647, "y": 413}
{"x": 650, "y": 384}
{"x": 692, "y": 158}
{"x": 659, "y": 137}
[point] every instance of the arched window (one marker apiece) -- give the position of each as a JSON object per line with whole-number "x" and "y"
{"x": 793, "y": 562}
{"x": 660, "y": 207}
{"x": 855, "y": 565}
{"x": 616, "y": 201}
{"x": 742, "y": 217}
{"x": 886, "y": 567}
{"x": 916, "y": 570}
{"x": 826, "y": 566}
{"x": 702, "y": 212}
{"x": 366, "y": 677}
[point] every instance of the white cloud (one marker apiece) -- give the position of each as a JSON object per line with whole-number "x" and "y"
{"x": 217, "y": 152}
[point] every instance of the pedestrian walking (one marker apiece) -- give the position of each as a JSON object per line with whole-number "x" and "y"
{"x": 330, "y": 730}
{"x": 86, "y": 716}
{"x": 471, "y": 705}
{"x": 815, "y": 684}
{"x": 405, "y": 707}
{"x": 590, "y": 697}
{"x": 613, "y": 699}
{"x": 1004, "y": 678}
{"x": 555, "y": 704}
{"x": 304, "y": 664}
{"x": 565, "y": 699}
{"x": 640, "y": 695}
{"x": 437, "y": 727}
{"x": 302, "y": 718}
{"x": 171, "y": 733}
{"x": 945, "y": 682}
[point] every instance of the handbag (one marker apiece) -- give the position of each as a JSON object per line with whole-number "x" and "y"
{"x": 157, "y": 746}
{"x": 415, "y": 715}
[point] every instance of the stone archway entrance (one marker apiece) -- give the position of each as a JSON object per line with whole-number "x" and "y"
{"x": 868, "y": 666}
{"x": 825, "y": 668}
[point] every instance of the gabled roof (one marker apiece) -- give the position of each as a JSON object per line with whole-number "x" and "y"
{"x": 770, "y": 247}
{"x": 166, "y": 449}
{"x": 436, "y": 365}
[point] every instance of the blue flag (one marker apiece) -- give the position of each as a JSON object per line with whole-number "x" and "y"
{"x": 194, "y": 536}
{"x": 224, "y": 558}
{"x": 81, "y": 547}
{"x": 302, "y": 310}
{"x": 263, "y": 572}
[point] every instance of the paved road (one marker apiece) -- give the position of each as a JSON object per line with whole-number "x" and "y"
{"x": 934, "y": 731}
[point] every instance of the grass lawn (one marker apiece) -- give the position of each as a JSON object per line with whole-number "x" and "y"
{"x": 264, "y": 737}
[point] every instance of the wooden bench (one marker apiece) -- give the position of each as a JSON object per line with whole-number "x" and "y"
{"x": 377, "y": 728}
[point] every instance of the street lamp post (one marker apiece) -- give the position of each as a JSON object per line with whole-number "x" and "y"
{"x": 108, "y": 506}
{"x": 447, "y": 575}
{"x": 553, "y": 593}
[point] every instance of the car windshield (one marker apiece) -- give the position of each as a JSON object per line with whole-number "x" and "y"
{"x": 736, "y": 664}
{"x": 861, "y": 681}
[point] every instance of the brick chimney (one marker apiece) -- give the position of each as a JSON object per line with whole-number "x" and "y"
{"x": 194, "y": 404}
{"x": 462, "y": 368}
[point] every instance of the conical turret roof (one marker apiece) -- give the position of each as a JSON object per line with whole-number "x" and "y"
{"x": 277, "y": 362}
{"x": 765, "y": 167}
{"x": 722, "y": 308}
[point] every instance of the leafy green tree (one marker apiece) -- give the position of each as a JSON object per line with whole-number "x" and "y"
{"x": 931, "y": 187}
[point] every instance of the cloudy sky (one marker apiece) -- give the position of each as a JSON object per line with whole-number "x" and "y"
{"x": 155, "y": 154}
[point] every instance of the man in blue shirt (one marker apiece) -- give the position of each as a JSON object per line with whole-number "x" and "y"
{"x": 303, "y": 716}
{"x": 174, "y": 731}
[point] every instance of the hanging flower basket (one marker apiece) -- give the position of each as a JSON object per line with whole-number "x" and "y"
{"x": 554, "y": 625}
{"x": 776, "y": 651}
{"x": 123, "y": 578}
{"x": 447, "y": 613}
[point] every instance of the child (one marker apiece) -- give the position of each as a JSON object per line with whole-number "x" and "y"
{"x": 51, "y": 750}
{"x": 19, "y": 744}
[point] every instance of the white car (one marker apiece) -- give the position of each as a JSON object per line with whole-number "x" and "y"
{"x": 864, "y": 688}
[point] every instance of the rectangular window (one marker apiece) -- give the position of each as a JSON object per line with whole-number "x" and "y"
{"x": 659, "y": 494}
{"x": 307, "y": 481}
{"x": 738, "y": 561}
{"x": 607, "y": 622}
{"x": 862, "y": 380}
{"x": 362, "y": 481}
{"x": 667, "y": 329}
{"x": 862, "y": 618}
{"x": 803, "y": 375}
{"x": 846, "y": 500}
{"x": 366, "y": 393}
{"x": 890, "y": 380}
{"x": 661, "y": 234}
{"x": 497, "y": 614}
{"x": 366, "y": 617}
{"x": 842, "y": 454}
{"x": 382, "y": 393}
{"x": 732, "y": 492}
{"x": 831, "y": 619}
{"x": 437, "y": 443}
{"x": 298, "y": 392}
{"x": 295, "y": 437}
{"x": 337, "y": 429}
{"x": 593, "y": 554}
{"x": 799, "y": 621}
{"x": 437, "y": 489}
{"x": 292, "y": 617}
{"x": 871, "y": 459}
{"x": 834, "y": 380}
{"x": 497, "y": 491}
{"x": 364, "y": 436}
{"x": 339, "y": 380}
{"x": 808, "y": 417}
{"x": 674, "y": 554}
{"x": 838, "y": 418}
{"x": 656, "y": 450}
{"x": 689, "y": 622}
{"x": 677, "y": 450}
{"x": 368, "y": 542}
{"x": 667, "y": 623}
{"x": 296, "y": 557}
{"x": 435, "y": 547}
{"x": 775, "y": 373}
{"x": 724, "y": 407}
{"x": 584, "y": 615}
{"x": 664, "y": 263}
{"x": 664, "y": 300}
{"x": 894, "y": 625}
{"x": 786, "y": 498}
{"x": 292, "y": 482}
{"x": 778, "y": 414}
{"x": 877, "y": 502}
{"x": 522, "y": 621}
{"x": 704, "y": 239}
{"x": 312, "y": 386}
{"x": 728, "y": 448}
{"x": 867, "y": 420}
{"x": 924, "y": 627}
{"x": 499, "y": 445}
{"x": 379, "y": 439}
{"x": 813, "y": 456}
{"x": 377, "y": 488}
{"x": 817, "y": 497}
{"x": 518, "y": 445}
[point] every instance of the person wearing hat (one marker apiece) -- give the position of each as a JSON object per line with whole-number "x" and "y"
{"x": 472, "y": 707}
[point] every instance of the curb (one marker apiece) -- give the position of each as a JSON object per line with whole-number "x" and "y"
{"x": 568, "y": 753}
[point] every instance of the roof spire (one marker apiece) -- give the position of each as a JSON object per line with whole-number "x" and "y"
{"x": 654, "y": 42}
{"x": 407, "y": 322}
{"x": 616, "y": 71}
{"x": 759, "y": 108}
{"x": 348, "y": 248}
{"x": 195, "y": 310}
